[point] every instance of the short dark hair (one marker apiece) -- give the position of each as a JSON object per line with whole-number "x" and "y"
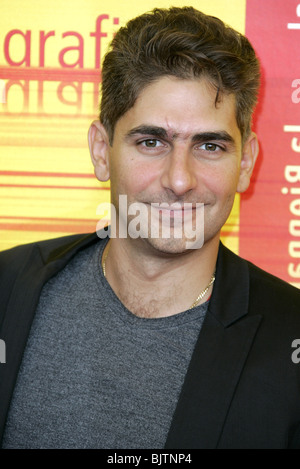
{"x": 181, "y": 42}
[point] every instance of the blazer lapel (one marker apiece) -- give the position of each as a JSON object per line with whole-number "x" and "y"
{"x": 218, "y": 359}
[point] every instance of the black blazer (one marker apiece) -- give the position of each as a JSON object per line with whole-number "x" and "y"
{"x": 242, "y": 389}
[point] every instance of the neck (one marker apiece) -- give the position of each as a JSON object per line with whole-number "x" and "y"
{"x": 154, "y": 284}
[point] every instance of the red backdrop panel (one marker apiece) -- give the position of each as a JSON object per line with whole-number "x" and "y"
{"x": 270, "y": 210}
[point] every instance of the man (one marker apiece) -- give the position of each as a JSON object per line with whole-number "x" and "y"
{"x": 151, "y": 341}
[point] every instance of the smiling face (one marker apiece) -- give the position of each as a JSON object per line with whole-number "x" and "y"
{"x": 176, "y": 146}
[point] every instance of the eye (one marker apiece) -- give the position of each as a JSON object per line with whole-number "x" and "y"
{"x": 151, "y": 143}
{"x": 212, "y": 147}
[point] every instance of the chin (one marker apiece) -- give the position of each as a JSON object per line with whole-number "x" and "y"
{"x": 171, "y": 246}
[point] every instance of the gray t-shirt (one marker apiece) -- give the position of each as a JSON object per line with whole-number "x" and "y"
{"x": 93, "y": 374}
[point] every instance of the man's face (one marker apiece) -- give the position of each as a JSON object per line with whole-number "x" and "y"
{"x": 175, "y": 146}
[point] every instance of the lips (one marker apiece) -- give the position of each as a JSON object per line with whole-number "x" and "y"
{"x": 176, "y": 213}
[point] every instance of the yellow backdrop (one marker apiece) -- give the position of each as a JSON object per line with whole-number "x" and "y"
{"x": 49, "y": 75}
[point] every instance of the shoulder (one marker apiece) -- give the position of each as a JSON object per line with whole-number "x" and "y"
{"x": 276, "y": 300}
{"x": 42, "y": 252}
{"x": 33, "y": 264}
{"x": 267, "y": 284}
{"x": 266, "y": 291}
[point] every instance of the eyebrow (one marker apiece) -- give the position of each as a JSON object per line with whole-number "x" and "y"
{"x": 160, "y": 132}
{"x": 221, "y": 135}
{"x": 147, "y": 130}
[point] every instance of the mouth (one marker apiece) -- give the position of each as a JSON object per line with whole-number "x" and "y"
{"x": 175, "y": 211}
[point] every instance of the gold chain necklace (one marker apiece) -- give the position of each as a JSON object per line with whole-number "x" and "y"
{"x": 199, "y": 297}
{"x": 203, "y": 293}
{"x": 103, "y": 263}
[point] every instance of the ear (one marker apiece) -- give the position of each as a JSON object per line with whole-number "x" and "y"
{"x": 249, "y": 156}
{"x": 99, "y": 150}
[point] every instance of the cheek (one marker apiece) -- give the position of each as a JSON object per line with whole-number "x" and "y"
{"x": 144, "y": 177}
{"x": 222, "y": 182}
{"x": 134, "y": 178}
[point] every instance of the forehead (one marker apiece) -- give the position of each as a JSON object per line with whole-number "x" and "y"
{"x": 182, "y": 108}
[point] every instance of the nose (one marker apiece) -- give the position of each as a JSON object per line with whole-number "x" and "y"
{"x": 179, "y": 174}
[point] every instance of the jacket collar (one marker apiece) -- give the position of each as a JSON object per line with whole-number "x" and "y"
{"x": 230, "y": 297}
{"x": 218, "y": 359}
